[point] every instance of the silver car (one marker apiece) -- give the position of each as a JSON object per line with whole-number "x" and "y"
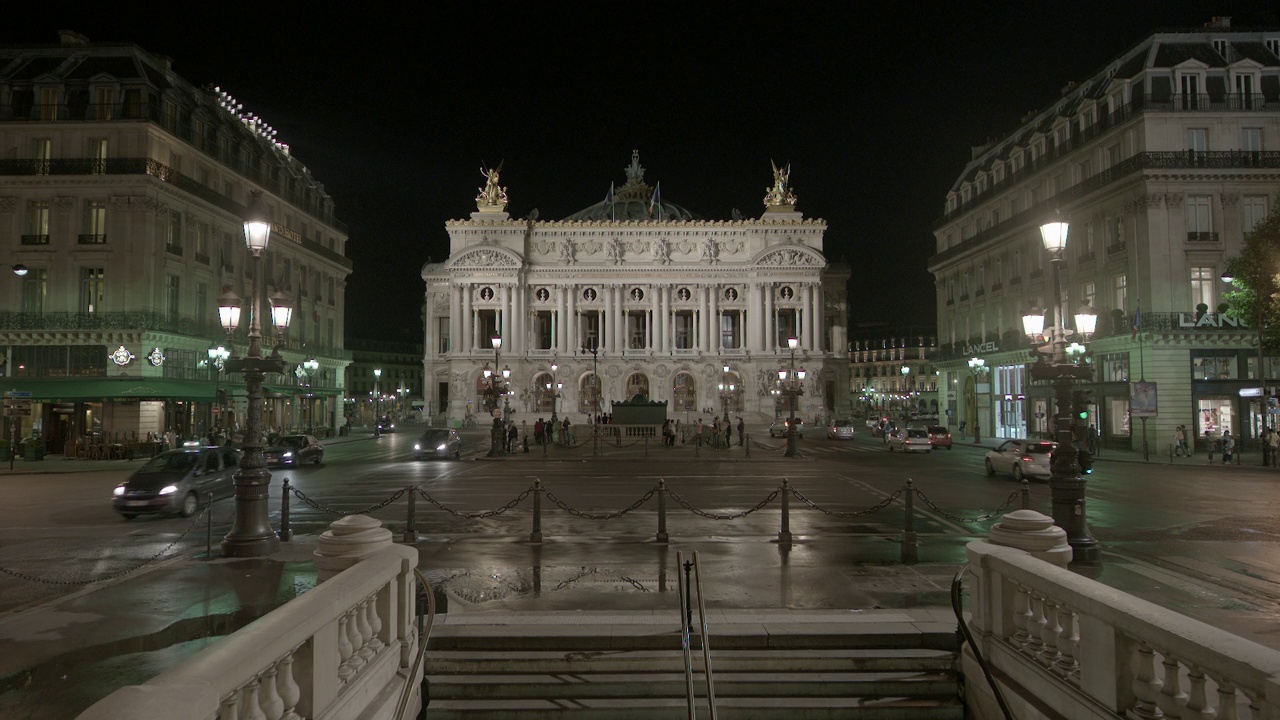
{"x": 178, "y": 481}
{"x": 840, "y": 429}
{"x": 1023, "y": 458}
{"x": 438, "y": 442}
{"x": 910, "y": 440}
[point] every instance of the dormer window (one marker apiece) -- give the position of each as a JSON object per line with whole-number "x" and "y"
{"x": 1273, "y": 44}
{"x": 1221, "y": 46}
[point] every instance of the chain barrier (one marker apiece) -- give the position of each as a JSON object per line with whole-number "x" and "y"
{"x": 857, "y": 513}
{"x": 484, "y": 514}
{"x": 770, "y": 448}
{"x": 1009, "y": 501}
{"x": 592, "y": 516}
{"x": 712, "y": 516}
{"x": 325, "y": 509}
{"x": 121, "y": 573}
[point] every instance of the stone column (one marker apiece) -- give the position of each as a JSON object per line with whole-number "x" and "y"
{"x": 469, "y": 320}
{"x": 505, "y": 328}
{"x": 770, "y": 321}
{"x": 455, "y": 319}
{"x": 713, "y": 302}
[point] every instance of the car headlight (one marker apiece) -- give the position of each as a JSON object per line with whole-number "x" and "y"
{"x": 417, "y": 446}
{"x": 118, "y": 491}
{"x": 442, "y": 446}
{"x": 287, "y": 455}
{"x": 168, "y": 489}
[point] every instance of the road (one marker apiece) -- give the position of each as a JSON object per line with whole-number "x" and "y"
{"x": 1187, "y": 523}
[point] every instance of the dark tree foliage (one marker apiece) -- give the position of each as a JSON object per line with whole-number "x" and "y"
{"x": 1255, "y": 277}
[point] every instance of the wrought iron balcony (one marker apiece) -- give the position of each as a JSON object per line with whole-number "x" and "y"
{"x": 35, "y": 239}
{"x": 1116, "y": 248}
{"x": 89, "y": 239}
{"x": 1201, "y": 236}
{"x": 142, "y": 320}
{"x": 202, "y": 259}
{"x": 173, "y": 249}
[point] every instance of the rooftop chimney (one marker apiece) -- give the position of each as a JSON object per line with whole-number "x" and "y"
{"x": 71, "y": 37}
{"x": 1219, "y": 22}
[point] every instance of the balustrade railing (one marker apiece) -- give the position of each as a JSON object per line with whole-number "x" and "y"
{"x": 1066, "y": 640}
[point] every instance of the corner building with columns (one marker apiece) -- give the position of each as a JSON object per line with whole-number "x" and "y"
{"x": 665, "y": 299}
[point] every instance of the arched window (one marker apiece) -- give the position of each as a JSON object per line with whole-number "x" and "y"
{"x": 684, "y": 396}
{"x": 589, "y": 394}
{"x": 637, "y": 384}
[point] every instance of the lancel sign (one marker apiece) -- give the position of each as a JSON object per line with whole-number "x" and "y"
{"x": 1209, "y": 320}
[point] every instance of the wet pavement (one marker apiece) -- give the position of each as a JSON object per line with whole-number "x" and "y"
{"x": 64, "y": 654}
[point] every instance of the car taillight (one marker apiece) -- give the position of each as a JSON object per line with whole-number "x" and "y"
{"x": 1026, "y": 458}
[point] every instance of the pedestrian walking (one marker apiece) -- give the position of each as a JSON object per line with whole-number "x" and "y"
{"x": 568, "y": 435}
{"x": 1274, "y": 441}
{"x": 697, "y": 432}
{"x": 728, "y": 435}
{"x": 1093, "y": 439}
{"x": 742, "y": 429}
{"x": 1212, "y": 443}
{"x": 1179, "y": 441}
{"x": 511, "y": 437}
{"x": 1228, "y": 447}
{"x": 537, "y": 432}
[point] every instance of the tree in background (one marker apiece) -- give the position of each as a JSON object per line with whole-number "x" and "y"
{"x": 1255, "y": 281}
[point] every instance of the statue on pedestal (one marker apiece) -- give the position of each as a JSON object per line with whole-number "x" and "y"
{"x": 492, "y": 197}
{"x": 780, "y": 195}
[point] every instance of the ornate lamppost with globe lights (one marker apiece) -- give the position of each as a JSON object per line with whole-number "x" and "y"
{"x": 497, "y": 387}
{"x": 251, "y": 534}
{"x": 218, "y": 356}
{"x": 1066, "y": 484}
{"x": 791, "y": 385}
{"x": 556, "y": 385}
{"x": 310, "y": 366}
{"x": 377, "y": 399}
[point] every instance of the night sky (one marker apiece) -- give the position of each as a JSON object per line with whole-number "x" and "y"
{"x": 875, "y": 108}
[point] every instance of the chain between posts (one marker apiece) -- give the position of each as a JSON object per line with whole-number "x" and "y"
{"x": 591, "y": 516}
{"x": 325, "y": 509}
{"x": 121, "y": 573}
{"x": 712, "y": 516}
{"x": 483, "y": 514}
{"x": 836, "y": 513}
{"x": 1008, "y": 502}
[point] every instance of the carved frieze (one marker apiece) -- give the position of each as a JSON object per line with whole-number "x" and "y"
{"x": 1230, "y": 200}
{"x": 1173, "y": 200}
{"x": 790, "y": 257}
{"x": 8, "y": 204}
{"x": 63, "y": 203}
{"x": 485, "y": 257}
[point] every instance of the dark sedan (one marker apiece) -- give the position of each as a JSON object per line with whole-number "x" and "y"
{"x": 178, "y": 481}
{"x": 294, "y": 450}
{"x": 438, "y": 442}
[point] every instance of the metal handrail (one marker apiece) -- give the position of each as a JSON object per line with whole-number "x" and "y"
{"x": 686, "y": 620}
{"x": 424, "y": 634}
{"x": 958, "y": 608}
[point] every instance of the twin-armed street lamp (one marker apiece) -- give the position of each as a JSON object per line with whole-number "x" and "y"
{"x": 977, "y": 366}
{"x": 310, "y": 366}
{"x": 555, "y": 386}
{"x": 727, "y": 390}
{"x": 497, "y": 386}
{"x": 1066, "y": 485}
{"x": 251, "y": 534}
{"x": 906, "y": 395}
{"x": 791, "y": 384}
{"x": 218, "y": 356}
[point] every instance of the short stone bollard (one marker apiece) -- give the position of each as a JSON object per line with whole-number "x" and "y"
{"x": 348, "y": 541}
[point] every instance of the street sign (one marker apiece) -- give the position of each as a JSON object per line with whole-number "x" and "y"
{"x": 217, "y": 410}
{"x": 15, "y": 410}
{"x": 17, "y": 393}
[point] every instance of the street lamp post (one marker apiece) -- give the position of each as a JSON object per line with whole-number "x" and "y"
{"x": 1263, "y": 409}
{"x": 310, "y": 365}
{"x": 1066, "y": 484}
{"x": 977, "y": 366}
{"x": 791, "y": 384}
{"x": 906, "y": 395}
{"x": 218, "y": 356}
{"x": 497, "y": 386}
{"x": 251, "y": 534}
{"x": 726, "y": 390}
{"x": 556, "y": 385}
{"x": 377, "y": 400}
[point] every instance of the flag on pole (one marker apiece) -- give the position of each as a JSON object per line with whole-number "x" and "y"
{"x": 656, "y": 200}
{"x": 608, "y": 200}
{"x": 1137, "y": 321}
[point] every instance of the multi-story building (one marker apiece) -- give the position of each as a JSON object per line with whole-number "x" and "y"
{"x": 635, "y": 296}
{"x": 892, "y": 373}
{"x": 383, "y": 377}
{"x": 1161, "y": 161}
{"x": 122, "y": 191}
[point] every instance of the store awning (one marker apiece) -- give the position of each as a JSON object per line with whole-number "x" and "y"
{"x": 119, "y": 388}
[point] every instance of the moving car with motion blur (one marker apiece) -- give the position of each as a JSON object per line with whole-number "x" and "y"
{"x": 178, "y": 482}
{"x": 779, "y": 428}
{"x": 294, "y": 450}
{"x": 840, "y": 429}
{"x": 910, "y": 440}
{"x": 438, "y": 442}
{"x": 939, "y": 436}
{"x": 1022, "y": 458}
{"x": 386, "y": 424}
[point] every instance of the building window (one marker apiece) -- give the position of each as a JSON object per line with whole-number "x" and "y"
{"x": 302, "y": 281}
{"x": 1253, "y": 209}
{"x": 1199, "y": 219}
{"x": 329, "y": 281}
{"x": 91, "y": 290}
{"x": 1197, "y": 139}
{"x": 329, "y": 333}
{"x": 95, "y": 222}
{"x": 1120, "y": 292}
{"x": 34, "y": 285}
{"x": 541, "y": 330}
{"x": 1208, "y": 366}
{"x": 202, "y": 302}
{"x": 684, "y": 330}
{"x": 1088, "y": 294}
{"x": 1246, "y": 87}
{"x": 173, "y": 233}
{"x": 729, "y": 331}
{"x": 172, "y": 294}
{"x": 1251, "y": 139}
{"x": 1190, "y": 95}
{"x": 202, "y": 242}
{"x": 997, "y": 272}
{"x": 1086, "y": 244}
{"x": 38, "y": 221}
{"x": 42, "y": 152}
{"x": 98, "y": 155}
{"x": 1017, "y": 265}
{"x": 1202, "y": 281}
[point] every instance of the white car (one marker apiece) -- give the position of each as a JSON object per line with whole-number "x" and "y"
{"x": 840, "y": 430}
{"x": 1023, "y": 458}
{"x": 910, "y": 440}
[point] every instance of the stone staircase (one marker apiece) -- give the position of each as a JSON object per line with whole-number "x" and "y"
{"x": 870, "y": 664}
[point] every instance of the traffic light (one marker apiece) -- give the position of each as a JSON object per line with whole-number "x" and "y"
{"x": 1080, "y": 405}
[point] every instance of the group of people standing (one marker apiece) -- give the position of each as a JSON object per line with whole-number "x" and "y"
{"x": 547, "y": 432}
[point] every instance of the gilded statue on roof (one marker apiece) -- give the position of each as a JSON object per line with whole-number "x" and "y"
{"x": 492, "y": 197}
{"x": 780, "y": 194}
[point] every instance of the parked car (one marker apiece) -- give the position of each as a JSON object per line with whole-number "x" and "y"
{"x": 178, "y": 481}
{"x": 438, "y": 442}
{"x": 386, "y": 424}
{"x": 779, "y": 428}
{"x": 840, "y": 429}
{"x": 910, "y": 440}
{"x": 294, "y": 450}
{"x": 939, "y": 436}
{"x": 1022, "y": 458}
